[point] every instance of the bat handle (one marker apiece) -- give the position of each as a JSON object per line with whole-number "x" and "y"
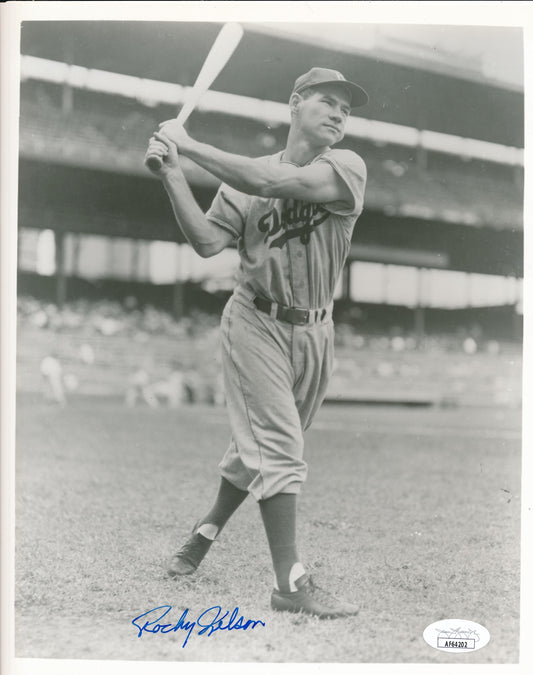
{"x": 153, "y": 162}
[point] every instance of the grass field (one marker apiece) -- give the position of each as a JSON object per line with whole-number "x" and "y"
{"x": 413, "y": 513}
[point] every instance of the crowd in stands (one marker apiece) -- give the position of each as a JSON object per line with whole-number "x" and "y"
{"x": 108, "y": 318}
{"x": 445, "y": 187}
{"x": 158, "y": 360}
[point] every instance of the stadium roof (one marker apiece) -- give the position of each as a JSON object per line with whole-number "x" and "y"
{"x": 407, "y": 89}
{"x": 490, "y": 54}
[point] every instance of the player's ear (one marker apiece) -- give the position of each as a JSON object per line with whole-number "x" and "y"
{"x": 294, "y": 103}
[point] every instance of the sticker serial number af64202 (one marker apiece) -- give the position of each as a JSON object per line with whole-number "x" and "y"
{"x": 456, "y": 635}
{"x": 456, "y": 644}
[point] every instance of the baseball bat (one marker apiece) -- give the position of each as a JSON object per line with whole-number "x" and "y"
{"x": 223, "y": 47}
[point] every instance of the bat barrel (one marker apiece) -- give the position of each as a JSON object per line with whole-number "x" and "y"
{"x": 223, "y": 47}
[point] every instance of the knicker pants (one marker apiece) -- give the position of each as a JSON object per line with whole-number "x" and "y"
{"x": 275, "y": 377}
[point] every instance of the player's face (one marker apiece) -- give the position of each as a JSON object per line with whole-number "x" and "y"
{"x": 322, "y": 115}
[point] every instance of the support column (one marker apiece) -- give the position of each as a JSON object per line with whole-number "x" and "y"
{"x": 178, "y": 299}
{"x": 67, "y": 92}
{"x": 346, "y": 281}
{"x": 178, "y": 293}
{"x": 421, "y": 158}
{"x": 61, "y": 279}
{"x": 419, "y": 323}
{"x": 76, "y": 255}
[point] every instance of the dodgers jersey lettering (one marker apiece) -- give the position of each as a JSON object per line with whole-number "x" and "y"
{"x": 292, "y": 252}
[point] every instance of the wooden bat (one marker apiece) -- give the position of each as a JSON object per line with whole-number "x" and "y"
{"x": 223, "y": 47}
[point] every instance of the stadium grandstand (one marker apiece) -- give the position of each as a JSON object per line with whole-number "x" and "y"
{"x": 436, "y": 258}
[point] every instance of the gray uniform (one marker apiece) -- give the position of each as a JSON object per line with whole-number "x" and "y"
{"x": 277, "y": 362}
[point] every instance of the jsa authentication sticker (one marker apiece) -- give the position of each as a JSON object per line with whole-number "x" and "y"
{"x": 456, "y": 635}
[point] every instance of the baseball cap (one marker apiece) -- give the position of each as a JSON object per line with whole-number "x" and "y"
{"x": 326, "y": 76}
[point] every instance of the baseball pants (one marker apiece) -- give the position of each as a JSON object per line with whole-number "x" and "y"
{"x": 275, "y": 377}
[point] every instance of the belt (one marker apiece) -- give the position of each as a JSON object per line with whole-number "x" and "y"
{"x": 295, "y": 315}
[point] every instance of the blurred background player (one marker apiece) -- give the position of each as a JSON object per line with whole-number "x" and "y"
{"x": 52, "y": 375}
{"x": 138, "y": 387}
{"x": 171, "y": 389}
{"x": 292, "y": 215}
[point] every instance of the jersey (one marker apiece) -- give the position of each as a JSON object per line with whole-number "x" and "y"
{"x": 275, "y": 373}
{"x": 292, "y": 252}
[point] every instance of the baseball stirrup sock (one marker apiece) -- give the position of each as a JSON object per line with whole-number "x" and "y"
{"x": 279, "y": 518}
{"x": 228, "y": 500}
{"x": 208, "y": 530}
{"x": 297, "y": 571}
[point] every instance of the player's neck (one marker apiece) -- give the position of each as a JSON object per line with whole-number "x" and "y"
{"x": 300, "y": 151}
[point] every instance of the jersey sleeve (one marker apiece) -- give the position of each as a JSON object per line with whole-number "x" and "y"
{"x": 352, "y": 170}
{"x": 228, "y": 210}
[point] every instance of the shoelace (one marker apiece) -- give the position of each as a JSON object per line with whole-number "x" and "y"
{"x": 319, "y": 593}
{"x": 193, "y": 550}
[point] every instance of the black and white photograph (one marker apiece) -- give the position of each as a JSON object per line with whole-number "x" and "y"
{"x": 263, "y": 336}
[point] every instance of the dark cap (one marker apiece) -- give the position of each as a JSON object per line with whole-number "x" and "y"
{"x": 318, "y": 76}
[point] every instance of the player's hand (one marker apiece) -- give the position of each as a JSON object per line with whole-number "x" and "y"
{"x": 166, "y": 150}
{"x": 174, "y": 131}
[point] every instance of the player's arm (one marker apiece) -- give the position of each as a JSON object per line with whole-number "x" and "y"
{"x": 205, "y": 237}
{"x": 317, "y": 182}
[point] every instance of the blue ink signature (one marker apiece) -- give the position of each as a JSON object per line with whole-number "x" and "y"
{"x": 208, "y": 622}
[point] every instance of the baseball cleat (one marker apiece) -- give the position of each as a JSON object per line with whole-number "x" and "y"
{"x": 310, "y": 599}
{"x": 190, "y": 555}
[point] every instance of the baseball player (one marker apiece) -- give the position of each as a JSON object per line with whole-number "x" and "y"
{"x": 292, "y": 215}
